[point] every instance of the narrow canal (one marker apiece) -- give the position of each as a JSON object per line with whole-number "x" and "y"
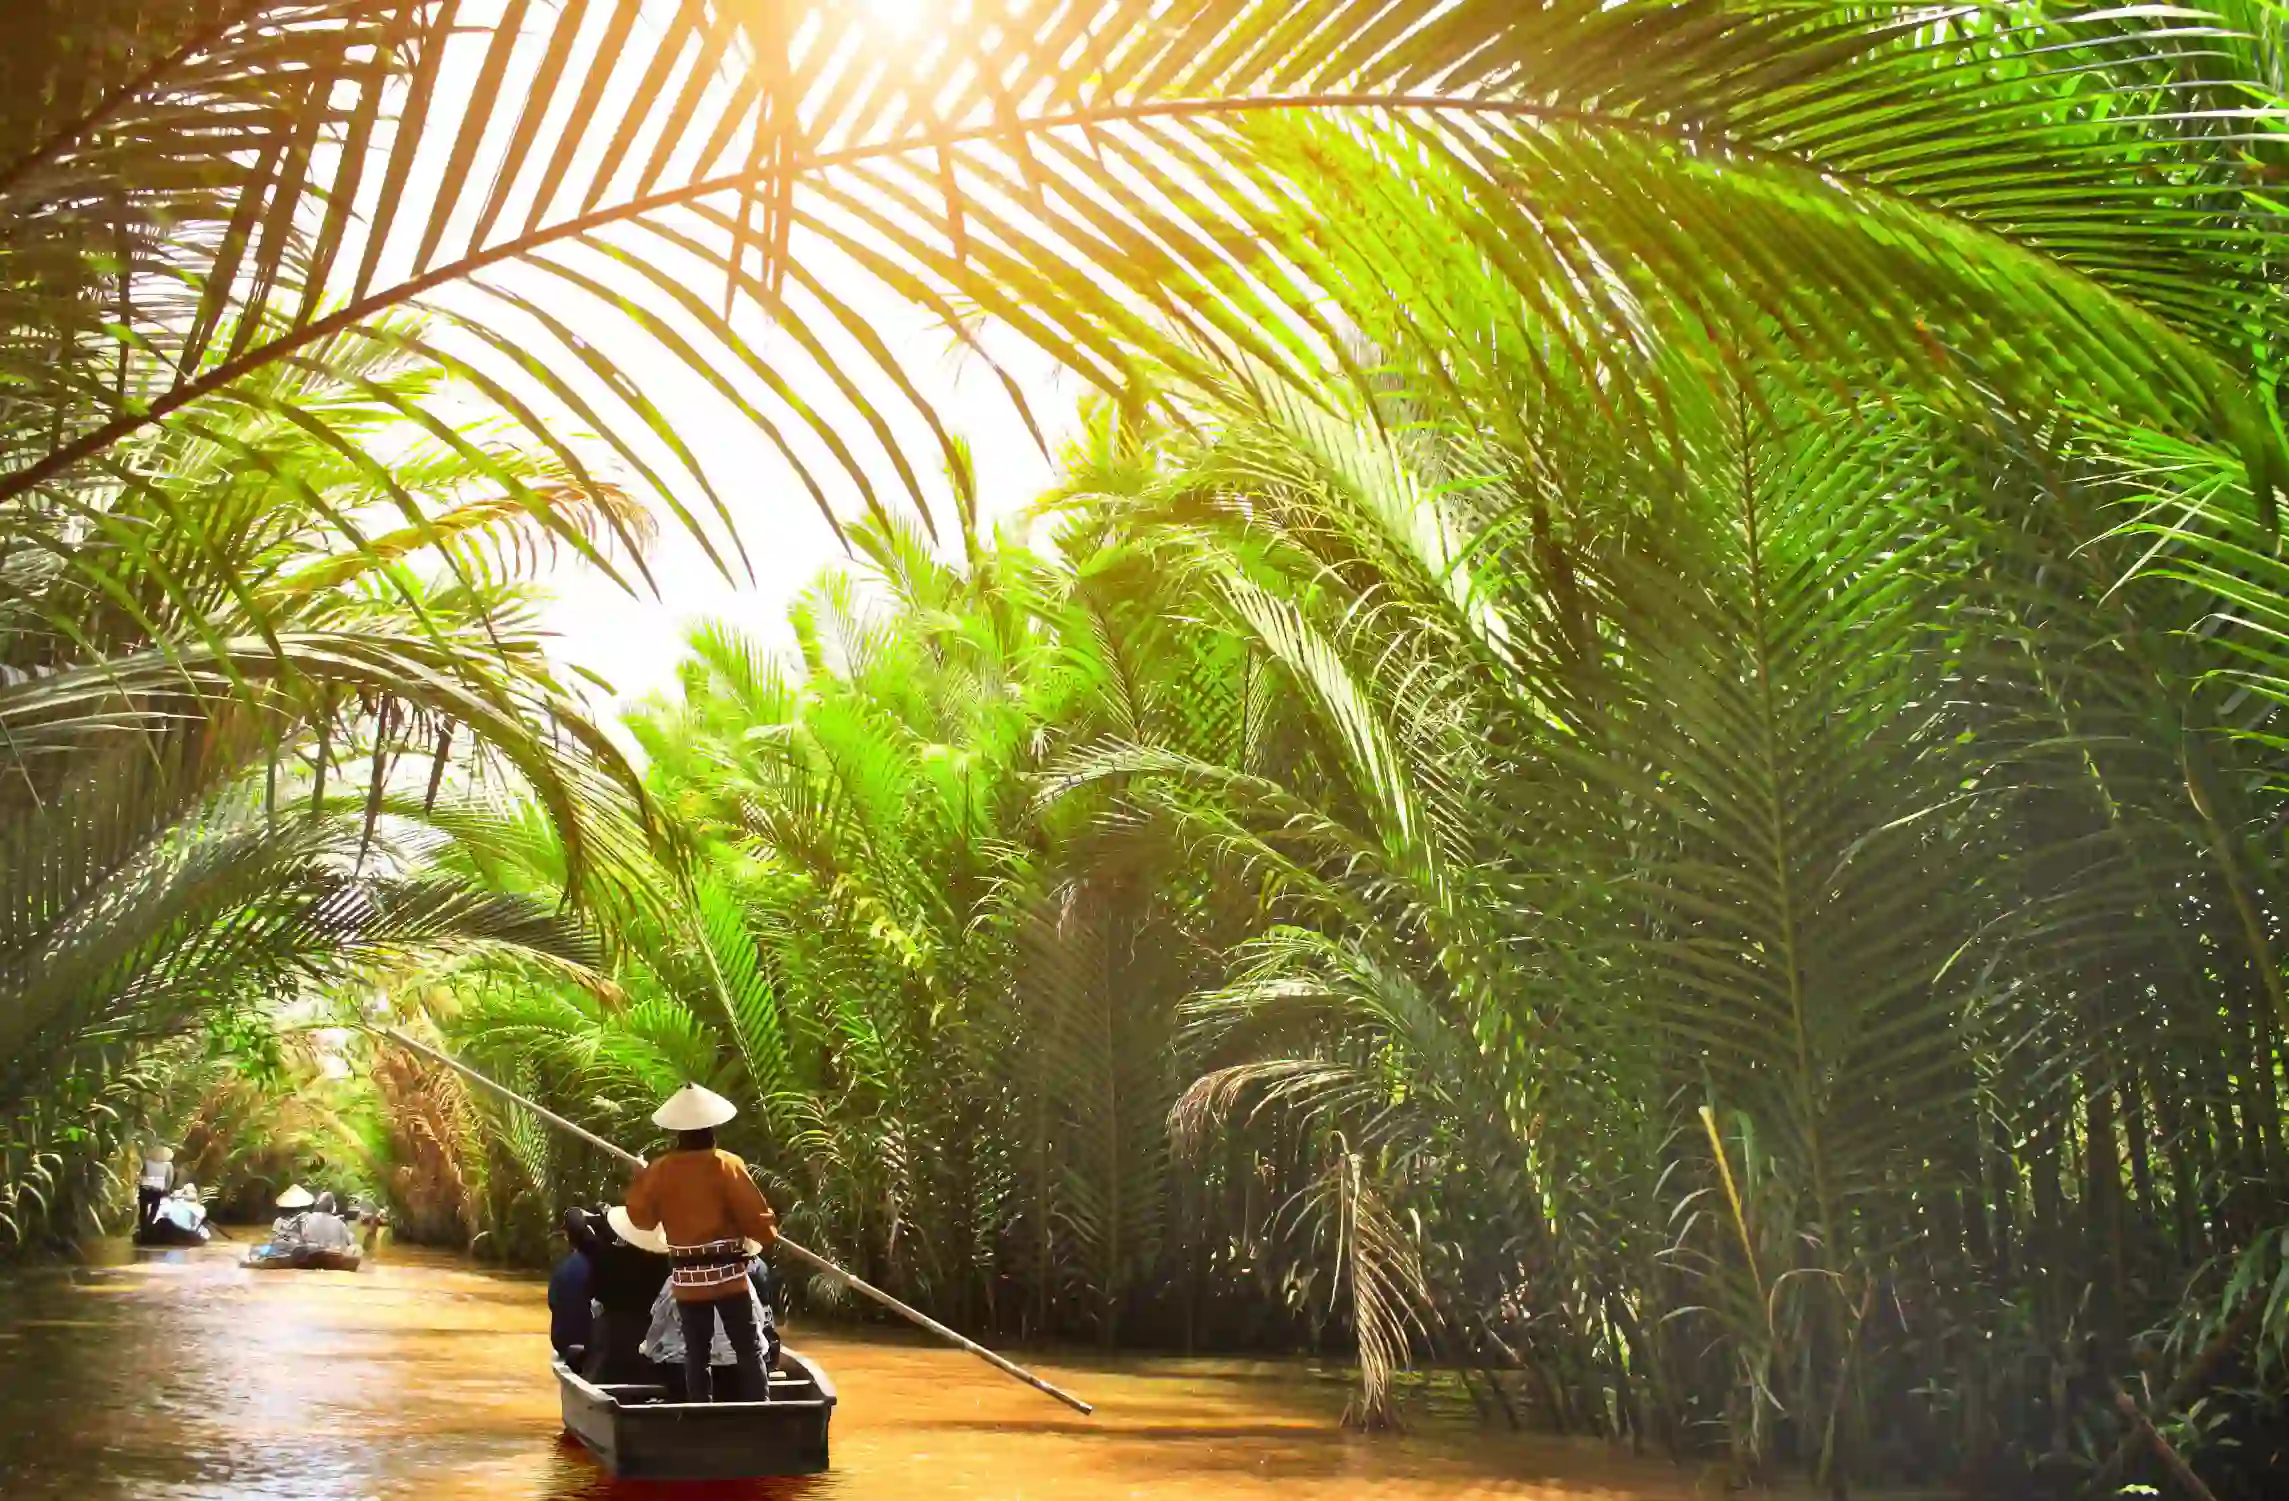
{"x": 175, "y": 1375}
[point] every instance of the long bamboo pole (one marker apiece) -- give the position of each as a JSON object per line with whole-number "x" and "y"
{"x": 800, "y": 1253}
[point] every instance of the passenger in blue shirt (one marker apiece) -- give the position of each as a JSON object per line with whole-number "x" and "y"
{"x": 568, "y": 1315}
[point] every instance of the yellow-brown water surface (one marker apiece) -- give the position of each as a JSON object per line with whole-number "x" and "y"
{"x": 176, "y": 1374}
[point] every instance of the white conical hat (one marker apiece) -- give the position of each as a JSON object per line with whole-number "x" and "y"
{"x": 692, "y": 1108}
{"x": 296, "y": 1197}
{"x": 158, "y": 1154}
{"x": 654, "y": 1241}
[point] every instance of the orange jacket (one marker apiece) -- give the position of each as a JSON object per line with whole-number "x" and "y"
{"x": 698, "y": 1197}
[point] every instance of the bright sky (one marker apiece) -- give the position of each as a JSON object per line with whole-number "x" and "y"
{"x": 634, "y": 641}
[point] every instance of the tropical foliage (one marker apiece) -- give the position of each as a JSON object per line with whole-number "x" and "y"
{"x": 189, "y": 656}
{"x": 1732, "y": 962}
{"x": 1642, "y": 757}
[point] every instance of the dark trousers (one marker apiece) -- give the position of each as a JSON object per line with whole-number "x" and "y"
{"x": 699, "y": 1336}
{"x": 147, "y": 1202}
{"x": 613, "y": 1338}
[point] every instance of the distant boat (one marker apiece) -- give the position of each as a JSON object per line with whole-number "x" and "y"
{"x": 647, "y": 1433}
{"x": 270, "y": 1256}
{"x": 165, "y": 1232}
{"x": 180, "y": 1219}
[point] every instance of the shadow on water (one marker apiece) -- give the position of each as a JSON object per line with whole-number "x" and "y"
{"x": 178, "y": 1376}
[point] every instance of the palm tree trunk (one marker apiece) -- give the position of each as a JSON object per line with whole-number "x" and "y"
{"x": 318, "y": 762}
{"x": 2102, "y": 1208}
{"x": 2001, "y": 1176}
{"x": 2185, "y": 1148}
{"x": 2267, "y": 1019}
{"x": 2141, "y": 1147}
{"x": 1045, "y": 1251}
{"x": 2047, "y": 1219}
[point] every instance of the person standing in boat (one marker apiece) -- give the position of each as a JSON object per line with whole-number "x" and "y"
{"x": 702, "y": 1199}
{"x": 151, "y": 1182}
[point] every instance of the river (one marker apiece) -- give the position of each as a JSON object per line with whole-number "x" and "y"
{"x": 168, "y": 1376}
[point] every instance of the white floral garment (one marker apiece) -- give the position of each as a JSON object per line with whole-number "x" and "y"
{"x": 664, "y": 1341}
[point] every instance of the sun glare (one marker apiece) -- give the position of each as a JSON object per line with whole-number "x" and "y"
{"x": 899, "y": 15}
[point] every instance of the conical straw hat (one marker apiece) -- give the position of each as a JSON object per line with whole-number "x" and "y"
{"x": 692, "y": 1108}
{"x": 296, "y": 1197}
{"x": 654, "y": 1241}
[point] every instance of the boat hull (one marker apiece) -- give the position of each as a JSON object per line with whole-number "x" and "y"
{"x": 264, "y": 1259}
{"x": 641, "y": 1433}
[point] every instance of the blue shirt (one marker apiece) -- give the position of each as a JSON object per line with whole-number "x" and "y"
{"x": 568, "y": 1303}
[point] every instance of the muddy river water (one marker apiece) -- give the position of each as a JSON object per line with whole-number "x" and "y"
{"x": 175, "y": 1375}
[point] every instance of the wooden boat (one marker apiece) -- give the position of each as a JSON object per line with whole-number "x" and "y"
{"x": 270, "y": 1256}
{"x": 646, "y": 1433}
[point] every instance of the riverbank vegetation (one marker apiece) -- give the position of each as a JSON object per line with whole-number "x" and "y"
{"x": 1637, "y": 751}
{"x": 1703, "y": 971}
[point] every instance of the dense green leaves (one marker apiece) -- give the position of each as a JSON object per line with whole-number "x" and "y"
{"x": 213, "y": 667}
{"x": 2069, "y": 201}
{"x": 1647, "y": 711}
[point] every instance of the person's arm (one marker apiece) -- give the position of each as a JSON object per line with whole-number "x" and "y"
{"x": 643, "y": 1201}
{"x": 750, "y": 1211}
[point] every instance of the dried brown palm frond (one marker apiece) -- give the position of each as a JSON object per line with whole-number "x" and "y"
{"x": 433, "y": 1139}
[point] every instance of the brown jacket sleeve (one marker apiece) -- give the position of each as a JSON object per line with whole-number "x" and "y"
{"x": 749, "y": 1210}
{"x": 643, "y": 1200}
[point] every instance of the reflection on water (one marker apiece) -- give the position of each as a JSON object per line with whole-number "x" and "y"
{"x": 176, "y": 1374}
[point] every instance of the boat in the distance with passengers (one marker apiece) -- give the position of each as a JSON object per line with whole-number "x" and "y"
{"x": 168, "y": 1233}
{"x": 309, "y": 1237}
{"x": 178, "y": 1220}
{"x": 272, "y": 1257}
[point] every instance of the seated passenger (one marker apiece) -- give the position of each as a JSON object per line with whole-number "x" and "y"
{"x": 664, "y": 1337}
{"x": 627, "y": 1270}
{"x": 287, "y": 1228}
{"x": 183, "y": 1209}
{"x": 766, "y": 1314}
{"x": 322, "y": 1229}
{"x": 569, "y": 1321}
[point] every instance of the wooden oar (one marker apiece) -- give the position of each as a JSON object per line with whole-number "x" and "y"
{"x": 856, "y": 1284}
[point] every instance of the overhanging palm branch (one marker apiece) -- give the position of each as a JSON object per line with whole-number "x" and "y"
{"x": 1132, "y": 188}
{"x": 263, "y": 573}
{"x": 140, "y": 912}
